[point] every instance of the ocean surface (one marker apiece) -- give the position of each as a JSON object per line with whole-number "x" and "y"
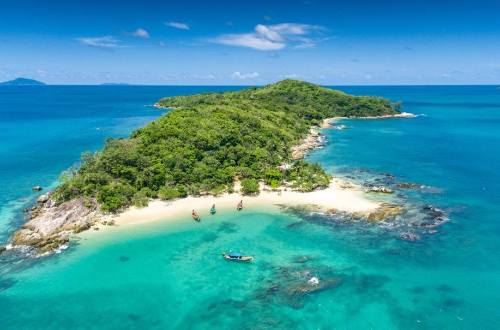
{"x": 171, "y": 275}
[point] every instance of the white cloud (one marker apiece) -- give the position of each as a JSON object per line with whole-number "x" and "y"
{"x": 178, "y": 25}
{"x": 106, "y": 42}
{"x": 243, "y": 76}
{"x": 140, "y": 33}
{"x": 249, "y": 40}
{"x": 290, "y": 76}
{"x": 272, "y": 37}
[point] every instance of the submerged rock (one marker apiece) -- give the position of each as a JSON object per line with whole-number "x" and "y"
{"x": 292, "y": 285}
{"x": 302, "y": 259}
{"x": 432, "y": 217}
{"x": 409, "y": 185}
{"x": 409, "y": 236}
{"x": 7, "y": 283}
{"x": 386, "y": 211}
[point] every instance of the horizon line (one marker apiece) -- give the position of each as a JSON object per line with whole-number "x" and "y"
{"x": 241, "y": 85}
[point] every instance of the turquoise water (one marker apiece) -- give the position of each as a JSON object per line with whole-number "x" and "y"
{"x": 172, "y": 276}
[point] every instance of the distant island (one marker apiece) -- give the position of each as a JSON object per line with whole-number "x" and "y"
{"x": 207, "y": 145}
{"x": 115, "y": 84}
{"x": 22, "y": 82}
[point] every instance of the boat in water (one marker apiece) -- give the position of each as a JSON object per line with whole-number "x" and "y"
{"x": 236, "y": 257}
{"x": 196, "y": 216}
{"x": 213, "y": 210}
{"x": 239, "y": 207}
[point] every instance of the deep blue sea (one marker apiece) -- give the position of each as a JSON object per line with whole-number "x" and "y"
{"x": 170, "y": 276}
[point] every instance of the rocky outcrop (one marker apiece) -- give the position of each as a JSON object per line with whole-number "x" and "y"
{"x": 380, "y": 189}
{"x": 386, "y": 211}
{"x": 50, "y": 224}
{"x": 312, "y": 141}
{"x": 397, "y": 115}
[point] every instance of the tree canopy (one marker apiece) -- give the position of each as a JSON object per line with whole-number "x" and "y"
{"x": 208, "y": 140}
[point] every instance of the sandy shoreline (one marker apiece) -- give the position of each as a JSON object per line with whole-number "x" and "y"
{"x": 339, "y": 195}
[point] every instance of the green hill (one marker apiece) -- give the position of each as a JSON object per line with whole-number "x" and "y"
{"x": 22, "y": 82}
{"x": 208, "y": 140}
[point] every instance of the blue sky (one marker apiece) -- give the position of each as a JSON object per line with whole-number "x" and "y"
{"x": 251, "y": 42}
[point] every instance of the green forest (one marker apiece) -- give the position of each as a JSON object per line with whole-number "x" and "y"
{"x": 207, "y": 141}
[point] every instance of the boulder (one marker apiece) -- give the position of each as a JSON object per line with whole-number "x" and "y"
{"x": 380, "y": 189}
{"x": 386, "y": 211}
{"x": 43, "y": 198}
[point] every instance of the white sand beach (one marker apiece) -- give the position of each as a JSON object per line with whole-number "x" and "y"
{"x": 339, "y": 195}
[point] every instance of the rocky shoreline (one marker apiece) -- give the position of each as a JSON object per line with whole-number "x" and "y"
{"x": 50, "y": 225}
{"x": 314, "y": 140}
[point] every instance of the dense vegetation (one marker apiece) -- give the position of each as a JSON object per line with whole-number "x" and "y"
{"x": 208, "y": 140}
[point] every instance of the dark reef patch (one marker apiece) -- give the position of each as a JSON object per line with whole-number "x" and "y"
{"x": 227, "y": 228}
{"x": 124, "y": 258}
{"x": 7, "y": 283}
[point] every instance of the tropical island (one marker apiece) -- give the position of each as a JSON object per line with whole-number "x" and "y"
{"x": 22, "y": 82}
{"x": 207, "y": 145}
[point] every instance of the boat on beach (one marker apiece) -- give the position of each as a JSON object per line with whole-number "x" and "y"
{"x": 232, "y": 256}
{"x": 213, "y": 210}
{"x": 239, "y": 207}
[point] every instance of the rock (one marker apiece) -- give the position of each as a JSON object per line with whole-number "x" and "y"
{"x": 339, "y": 127}
{"x": 81, "y": 227}
{"x": 43, "y": 198}
{"x": 50, "y": 225}
{"x": 381, "y": 189}
{"x": 409, "y": 236}
{"x": 301, "y": 259}
{"x": 409, "y": 185}
{"x": 37, "y": 188}
{"x": 312, "y": 141}
{"x": 384, "y": 212}
{"x": 433, "y": 217}
{"x": 2, "y": 248}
